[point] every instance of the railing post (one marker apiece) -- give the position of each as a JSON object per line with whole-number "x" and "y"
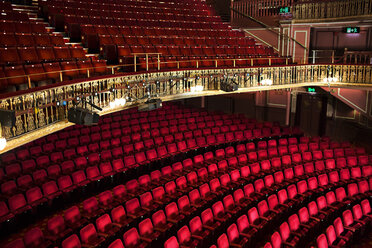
{"x": 314, "y": 56}
{"x": 112, "y": 70}
{"x": 135, "y": 63}
{"x": 345, "y": 55}
{"x": 60, "y": 76}
{"x": 88, "y": 74}
{"x": 158, "y": 62}
{"x": 333, "y": 56}
{"x": 29, "y": 82}
{"x": 147, "y": 62}
{"x": 234, "y": 62}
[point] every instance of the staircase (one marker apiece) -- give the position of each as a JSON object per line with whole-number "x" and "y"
{"x": 33, "y": 13}
{"x": 222, "y": 8}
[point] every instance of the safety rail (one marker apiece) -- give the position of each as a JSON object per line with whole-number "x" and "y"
{"x": 357, "y": 57}
{"x": 315, "y": 10}
{"x": 302, "y": 10}
{"x": 40, "y": 108}
{"x": 258, "y": 7}
{"x": 158, "y": 65}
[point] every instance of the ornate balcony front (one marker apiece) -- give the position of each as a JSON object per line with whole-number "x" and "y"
{"x": 46, "y": 109}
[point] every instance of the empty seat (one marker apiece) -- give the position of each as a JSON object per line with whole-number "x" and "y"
{"x": 132, "y": 239}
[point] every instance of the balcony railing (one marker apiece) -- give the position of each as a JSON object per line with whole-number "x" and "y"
{"x": 301, "y": 10}
{"x": 311, "y": 10}
{"x": 38, "y": 109}
{"x": 357, "y": 57}
{"x": 257, "y": 8}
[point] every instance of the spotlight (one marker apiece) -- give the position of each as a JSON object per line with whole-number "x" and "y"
{"x": 150, "y": 104}
{"x": 197, "y": 88}
{"x": 2, "y": 143}
{"x": 229, "y": 86}
{"x": 78, "y": 98}
{"x": 120, "y": 102}
{"x": 197, "y": 77}
{"x": 113, "y": 89}
{"x": 266, "y": 82}
{"x": 95, "y": 93}
{"x": 330, "y": 80}
{"x": 211, "y": 76}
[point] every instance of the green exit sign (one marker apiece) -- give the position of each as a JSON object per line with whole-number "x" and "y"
{"x": 352, "y": 30}
{"x": 311, "y": 90}
{"x": 284, "y": 10}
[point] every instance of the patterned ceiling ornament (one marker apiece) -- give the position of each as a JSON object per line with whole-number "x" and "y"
{"x": 19, "y": 125}
{"x": 4, "y": 104}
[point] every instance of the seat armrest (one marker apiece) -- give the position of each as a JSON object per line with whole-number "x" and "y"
{"x": 208, "y": 227}
{"x": 350, "y": 228}
{"x": 306, "y": 226}
{"x": 197, "y": 237}
{"x": 316, "y": 219}
{"x": 264, "y": 218}
{"x": 288, "y": 244}
{"x": 146, "y": 239}
{"x": 105, "y": 235}
{"x": 235, "y": 245}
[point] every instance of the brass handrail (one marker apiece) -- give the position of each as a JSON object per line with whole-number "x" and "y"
{"x": 271, "y": 29}
{"x": 315, "y": 10}
{"x": 128, "y": 65}
{"x": 42, "y": 107}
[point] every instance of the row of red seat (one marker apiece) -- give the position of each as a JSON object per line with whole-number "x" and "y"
{"x": 118, "y": 30}
{"x": 300, "y": 227}
{"x": 21, "y": 55}
{"x": 215, "y": 189}
{"x": 68, "y": 166}
{"x": 92, "y": 15}
{"x": 142, "y": 6}
{"x": 354, "y": 223}
{"x": 162, "y": 23}
{"x": 130, "y": 209}
{"x": 138, "y": 151}
{"x": 64, "y": 182}
{"x": 13, "y": 15}
{"x": 196, "y": 51}
{"x": 11, "y": 26}
{"x": 31, "y": 55}
{"x": 18, "y": 75}
{"x": 30, "y": 165}
{"x": 106, "y": 140}
{"x": 337, "y": 236}
{"x": 174, "y": 42}
{"x": 180, "y": 8}
{"x": 14, "y": 39}
{"x": 247, "y": 228}
{"x": 158, "y": 120}
{"x": 4, "y": 5}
